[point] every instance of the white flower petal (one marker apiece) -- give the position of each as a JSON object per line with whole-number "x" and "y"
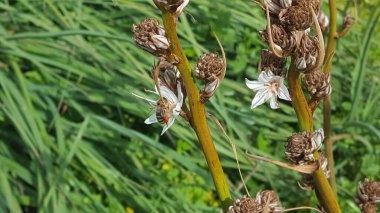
{"x": 255, "y": 85}
{"x": 273, "y": 101}
{"x": 178, "y": 106}
{"x": 211, "y": 86}
{"x": 283, "y": 92}
{"x": 260, "y": 98}
{"x": 168, "y": 125}
{"x": 151, "y": 102}
{"x": 168, "y": 95}
{"x": 151, "y": 119}
{"x": 160, "y": 41}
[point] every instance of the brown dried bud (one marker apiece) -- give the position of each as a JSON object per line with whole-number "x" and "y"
{"x": 150, "y": 36}
{"x": 269, "y": 199}
{"x": 168, "y": 5}
{"x": 270, "y": 62}
{"x": 301, "y": 146}
{"x": 306, "y": 53}
{"x": 323, "y": 21}
{"x": 210, "y": 69}
{"x": 367, "y": 195}
{"x": 283, "y": 40}
{"x": 348, "y": 21}
{"x": 245, "y": 205}
{"x": 166, "y": 74}
{"x": 298, "y": 16}
{"x": 317, "y": 84}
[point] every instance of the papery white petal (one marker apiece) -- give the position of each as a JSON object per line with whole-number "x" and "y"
{"x": 168, "y": 125}
{"x": 181, "y": 7}
{"x": 151, "y": 119}
{"x": 318, "y": 137}
{"x": 151, "y": 102}
{"x": 273, "y": 101}
{"x": 211, "y": 86}
{"x": 160, "y": 41}
{"x": 168, "y": 95}
{"x": 178, "y": 106}
{"x": 260, "y": 98}
{"x": 301, "y": 63}
{"x": 254, "y": 85}
{"x": 264, "y": 77}
{"x": 283, "y": 92}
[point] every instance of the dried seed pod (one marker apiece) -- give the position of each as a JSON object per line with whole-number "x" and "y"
{"x": 317, "y": 84}
{"x": 367, "y": 195}
{"x": 298, "y": 16}
{"x": 269, "y": 199}
{"x": 307, "y": 53}
{"x": 283, "y": 41}
{"x": 300, "y": 147}
{"x": 150, "y": 36}
{"x": 323, "y": 21}
{"x": 269, "y": 61}
{"x": 275, "y": 6}
{"x": 245, "y": 205}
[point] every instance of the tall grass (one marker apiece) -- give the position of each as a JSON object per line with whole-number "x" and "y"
{"x": 72, "y": 136}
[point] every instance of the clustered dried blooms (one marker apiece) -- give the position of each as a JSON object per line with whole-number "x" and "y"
{"x": 300, "y": 147}
{"x": 265, "y": 201}
{"x": 211, "y": 69}
{"x": 367, "y": 195}
{"x": 270, "y": 62}
{"x": 150, "y": 36}
{"x": 168, "y": 5}
{"x": 317, "y": 84}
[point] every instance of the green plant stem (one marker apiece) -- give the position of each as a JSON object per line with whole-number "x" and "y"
{"x": 326, "y": 196}
{"x": 327, "y": 101}
{"x": 197, "y": 111}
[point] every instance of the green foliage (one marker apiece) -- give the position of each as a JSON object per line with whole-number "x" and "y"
{"x": 72, "y": 135}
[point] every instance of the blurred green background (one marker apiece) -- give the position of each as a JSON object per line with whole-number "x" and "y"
{"x": 73, "y": 138}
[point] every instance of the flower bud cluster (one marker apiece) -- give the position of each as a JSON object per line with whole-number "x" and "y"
{"x": 265, "y": 201}
{"x": 367, "y": 195}
{"x": 211, "y": 69}
{"x": 287, "y": 32}
{"x": 317, "y": 83}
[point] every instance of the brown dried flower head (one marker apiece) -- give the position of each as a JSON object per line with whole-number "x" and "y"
{"x": 269, "y": 61}
{"x": 317, "y": 84}
{"x": 299, "y": 16}
{"x": 367, "y": 195}
{"x": 283, "y": 41}
{"x": 306, "y": 54}
{"x": 210, "y": 69}
{"x": 150, "y": 36}
{"x": 265, "y": 201}
{"x": 348, "y": 21}
{"x": 245, "y": 205}
{"x": 369, "y": 208}
{"x": 301, "y": 146}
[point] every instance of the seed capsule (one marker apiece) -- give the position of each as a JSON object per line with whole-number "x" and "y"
{"x": 317, "y": 84}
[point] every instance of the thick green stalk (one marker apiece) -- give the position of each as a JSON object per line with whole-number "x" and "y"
{"x": 197, "y": 111}
{"x": 327, "y": 101}
{"x": 327, "y": 197}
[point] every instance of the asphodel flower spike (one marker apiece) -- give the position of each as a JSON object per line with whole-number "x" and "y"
{"x": 167, "y": 108}
{"x": 268, "y": 87}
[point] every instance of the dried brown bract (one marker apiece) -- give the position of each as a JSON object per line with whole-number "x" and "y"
{"x": 269, "y": 61}
{"x": 317, "y": 84}
{"x": 150, "y": 36}
{"x": 166, "y": 74}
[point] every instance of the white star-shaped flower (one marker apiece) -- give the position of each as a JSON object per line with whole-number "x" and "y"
{"x": 167, "y": 108}
{"x": 268, "y": 87}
